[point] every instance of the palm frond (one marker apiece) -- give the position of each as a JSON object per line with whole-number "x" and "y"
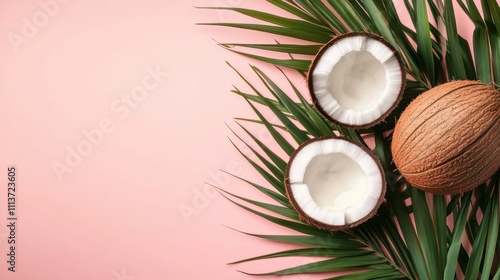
{"x": 414, "y": 235}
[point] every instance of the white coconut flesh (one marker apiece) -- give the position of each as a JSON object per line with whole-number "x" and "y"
{"x": 357, "y": 80}
{"x": 335, "y": 182}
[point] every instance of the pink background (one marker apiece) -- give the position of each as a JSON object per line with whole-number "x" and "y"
{"x": 116, "y": 214}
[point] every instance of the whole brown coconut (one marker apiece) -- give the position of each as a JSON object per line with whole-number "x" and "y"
{"x": 447, "y": 140}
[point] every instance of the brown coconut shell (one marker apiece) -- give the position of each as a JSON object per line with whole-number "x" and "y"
{"x": 310, "y": 220}
{"x": 447, "y": 141}
{"x": 319, "y": 55}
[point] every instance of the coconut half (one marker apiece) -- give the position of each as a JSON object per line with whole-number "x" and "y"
{"x": 357, "y": 79}
{"x": 334, "y": 183}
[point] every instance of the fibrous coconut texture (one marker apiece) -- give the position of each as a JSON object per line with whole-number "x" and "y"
{"x": 356, "y": 79}
{"x": 447, "y": 140}
{"x": 334, "y": 183}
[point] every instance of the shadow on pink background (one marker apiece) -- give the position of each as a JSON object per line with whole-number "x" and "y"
{"x": 114, "y": 114}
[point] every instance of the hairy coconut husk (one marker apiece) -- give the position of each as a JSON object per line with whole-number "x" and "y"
{"x": 447, "y": 141}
